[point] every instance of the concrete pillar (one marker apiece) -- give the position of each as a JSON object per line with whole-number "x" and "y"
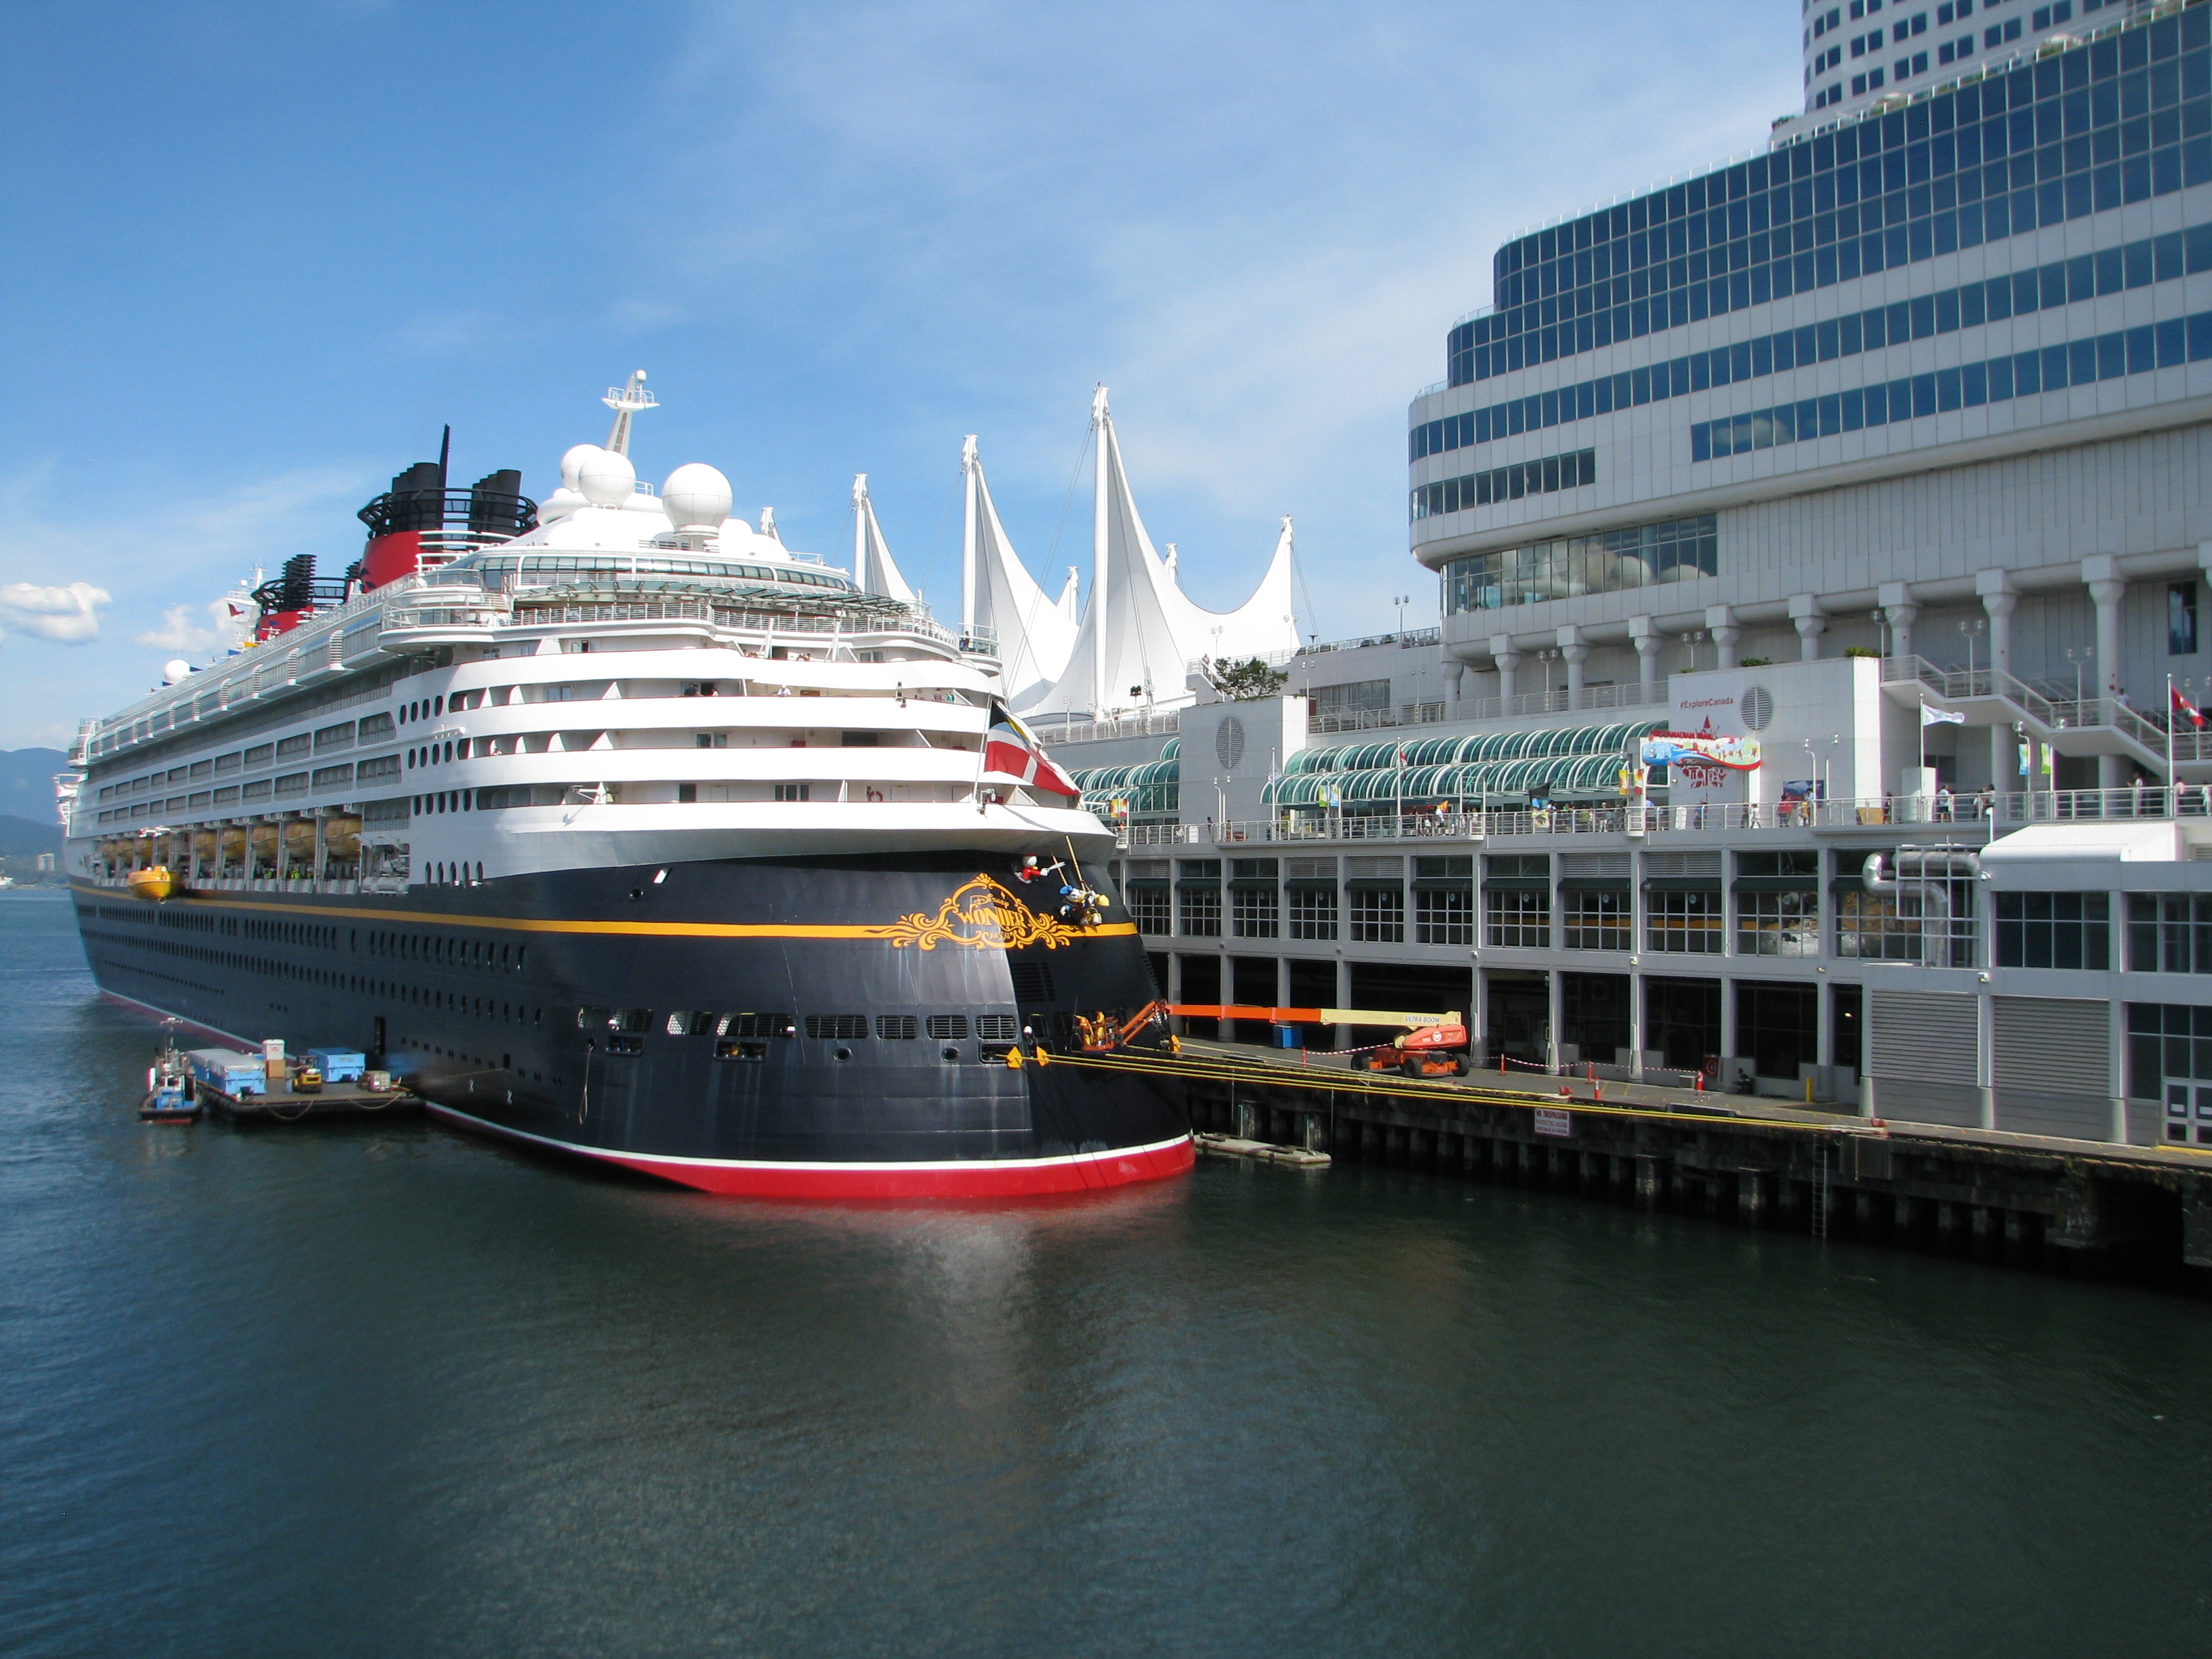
{"x": 1727, "y": 1029}
{"x": 1985, "y": 1092}
{"x": 1552, "y": 989}
{"x": 1342, "y": 1039}
{"x": 1812, "y": 622}
{"x": 1576, "y": 650}
{"x": 1454, "y": 672}
{"x": 1721, "y": 623}
{"x": 1824, "y": 1018}
{"x": 2106, "y": 590}
{"x": 1635, "y": 1023}
{"x": 1507, "y": 660}
{"x": 1899, "y": 610}
{"x": 1644, "y": 634}
{"x": 2116, "y": 1030}
{"x": 1999, "y": 598}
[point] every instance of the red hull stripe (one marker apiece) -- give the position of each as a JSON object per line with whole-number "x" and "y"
{"x": 994, "y": 1178}
{"x": 248, "y": 1044}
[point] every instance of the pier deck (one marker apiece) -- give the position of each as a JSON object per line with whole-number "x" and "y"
{"x": 2030, "y": 1198}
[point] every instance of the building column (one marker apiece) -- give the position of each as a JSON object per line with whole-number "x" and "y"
{"x": 2117, "y": 1043}
{"x": 1644, "y": 634}
{"x": 1478, "y": 1013}
{"x": 2101, "y": 571}
{"x": 1454, "y": 672}
{"x": 1507, "y": 660}
{"x": 1721, "y": 623}
{"x": 1553, "y": 994}
{"x": 1576, "y": 651}
{"x": 1899, "y": 610}
{"x": 1824, "y": 1022}
{"x": 2000, "y": 599}
{"x": 1985, "y": 1088}
{"x": 1812, "y": 622}
{"x": 1343, "y": 1038}
{"x": 1636, "y": 1041}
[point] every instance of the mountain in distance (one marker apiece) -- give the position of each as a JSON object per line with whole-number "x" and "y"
{"x": 26, "y": 785}
{"x": 21, "y": 838}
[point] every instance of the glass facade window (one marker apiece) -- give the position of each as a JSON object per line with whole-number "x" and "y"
{"x": 2054, "y": 930}
{"x": 1444, "y": 917}
{"x": 2169, "y": 932}
{"x": 1313, "y": 912}
{"x": 1993, "y": 380}
{"x": 1598, "y": 920}
{"x": 1778, "y": 924}
{"x": 1360, "y": 697}
{"x": 1149, "y": 907}
{"x": 1253, "y": 912}
{"x": 2122, "y": 118}
{"x": 1506, "y": 484}
{"x": 1513, "y": 918}
{"x": 2170, "y": 1061}
{"x": 2181, "y": 619}
{"x": 1680, "y": 550}
{"x": 1378, "y": 916}
{"x": 2118, "y": 269}
{"x": 1199, "y": 910}
{"x": 1684, "y": 922}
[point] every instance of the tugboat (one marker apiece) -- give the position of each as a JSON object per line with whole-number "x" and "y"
{"x": 170, "y": 1095}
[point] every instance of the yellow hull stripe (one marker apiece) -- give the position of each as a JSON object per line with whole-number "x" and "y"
{"x": 634, "y": 929}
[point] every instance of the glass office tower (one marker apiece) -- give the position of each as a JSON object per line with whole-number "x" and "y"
{"x": 1940, "y": 358}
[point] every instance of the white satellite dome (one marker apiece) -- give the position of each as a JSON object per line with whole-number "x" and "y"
{"x": 175, "y": 669}
{"x": 697, "y": 497}
{"x": 571, "y": 463}
{"x": 606, "y": 478}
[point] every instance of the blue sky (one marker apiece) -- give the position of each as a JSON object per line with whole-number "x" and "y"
{"x": 258, "y": 254}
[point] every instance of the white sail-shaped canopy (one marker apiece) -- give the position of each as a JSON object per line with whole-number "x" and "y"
{"x": 1140, "y": 632}
{"x": 1034, "y": 634}
{"x": 872, "y": 566}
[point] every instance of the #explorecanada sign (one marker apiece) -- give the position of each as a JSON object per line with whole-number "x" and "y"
{"x": 1711, "y": 747}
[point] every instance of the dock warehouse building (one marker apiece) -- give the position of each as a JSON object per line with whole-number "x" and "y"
{"x": 1873, "y": 467}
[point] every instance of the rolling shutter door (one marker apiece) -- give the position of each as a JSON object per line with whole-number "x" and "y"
{"x": 1917, "y": 1038}
{"x": 2051, "y": 1045}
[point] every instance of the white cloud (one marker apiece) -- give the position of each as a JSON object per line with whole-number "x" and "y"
{"x": 181, "y": 631}
{"x": 1255, "y": 223}
{"x": 68, "y": 615}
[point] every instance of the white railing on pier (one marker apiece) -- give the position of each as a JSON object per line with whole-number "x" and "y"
{"x": 1975, "y": 816}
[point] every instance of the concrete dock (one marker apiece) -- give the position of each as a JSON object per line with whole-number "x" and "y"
{"x": 2143, "y": 1211}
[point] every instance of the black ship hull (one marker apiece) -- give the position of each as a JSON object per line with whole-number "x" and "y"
{"x": 839, "y": 1027}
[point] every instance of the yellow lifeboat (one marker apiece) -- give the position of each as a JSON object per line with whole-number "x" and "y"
{"x": 261, "y": 840}
{"x": 154, "y": 883}
{"x": 232, "y": 842}
{"x": 341, "y": 836}
{"x": 300, "y": 846}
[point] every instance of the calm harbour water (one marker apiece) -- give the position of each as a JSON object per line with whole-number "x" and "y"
{"x": 390, "y": 1390}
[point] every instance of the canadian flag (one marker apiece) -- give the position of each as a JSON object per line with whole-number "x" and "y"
{"x": 1012, "y": 754}
{"x": 2183, "y": 706}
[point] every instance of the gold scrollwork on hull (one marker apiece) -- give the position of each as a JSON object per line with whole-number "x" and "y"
{"x": 981, "y": 916}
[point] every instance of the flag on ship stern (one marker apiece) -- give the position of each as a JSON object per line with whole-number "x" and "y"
{"x": 1012, "y": 754}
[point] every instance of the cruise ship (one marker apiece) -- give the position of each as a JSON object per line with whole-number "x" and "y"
{"x": 616, "y": 827}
